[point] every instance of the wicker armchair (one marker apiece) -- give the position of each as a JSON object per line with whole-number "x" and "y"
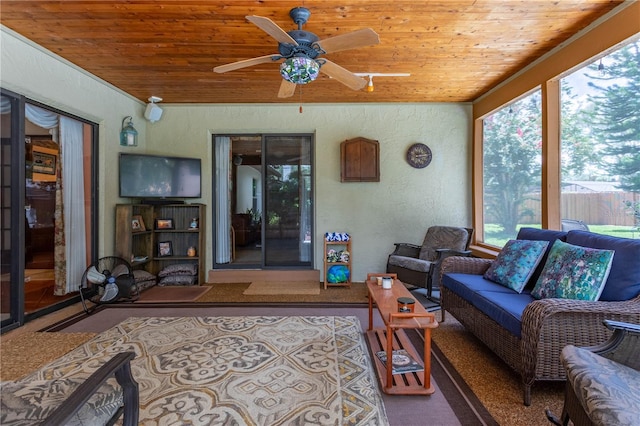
{"x": 603, "y": 382}
{"x": 548, "y": 325}
{"x": 419, "y": 265}
{"x": 74, "y": 400}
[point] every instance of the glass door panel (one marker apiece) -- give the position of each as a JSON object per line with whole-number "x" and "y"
{"x": 287, "y": 201}
{"x": 10, "y": 292}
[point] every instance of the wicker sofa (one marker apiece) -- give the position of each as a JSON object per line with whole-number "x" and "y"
{"x": 529, "y": 334}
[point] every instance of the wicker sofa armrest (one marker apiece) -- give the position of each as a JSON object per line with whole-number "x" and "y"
{"x": 406, "y": 249}
{"x": 548, "y": 325}
{"x": 118, "y": 366}
{"x": 441, "y": 254}
{"x": 465, "y": 265}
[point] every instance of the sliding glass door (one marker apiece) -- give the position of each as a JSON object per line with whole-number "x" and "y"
{"x": 263, "y": 197}
{"x": 48, "y": 204}
{"x": 287, "y": 201}
{"x": 11, "y": 220}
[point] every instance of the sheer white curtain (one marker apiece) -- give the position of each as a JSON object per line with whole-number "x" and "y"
{"x": 223, "y": 199}
{"x": 5, "y": 105}
{"x": 70, "y": 139}
{"x": 305, "y": 225}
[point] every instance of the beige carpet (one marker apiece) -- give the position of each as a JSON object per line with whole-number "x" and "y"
{"x": 29, "y": 351}
{"x": 282, "y": 287}
{"x": 255, "y": 370}
{"x": 496, "y": 385}
{"x": 172, "y": 294}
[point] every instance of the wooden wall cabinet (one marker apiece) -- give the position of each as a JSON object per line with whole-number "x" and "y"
{"x": 140, "y": 247}
{"x": 360, "y": 160}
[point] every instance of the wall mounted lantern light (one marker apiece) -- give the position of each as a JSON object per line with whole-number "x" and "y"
{"x": 128, "y": 134}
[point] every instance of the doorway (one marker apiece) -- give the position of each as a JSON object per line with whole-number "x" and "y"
{"x": 264, "y": 199}
{"x": 48, "y": 205}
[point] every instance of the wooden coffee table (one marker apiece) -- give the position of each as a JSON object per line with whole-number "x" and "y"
{"x": 393, "y": 337}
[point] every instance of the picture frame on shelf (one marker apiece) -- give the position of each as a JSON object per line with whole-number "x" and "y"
{"x": 165, "y": 248}
{"x": 164, "y": 224}
{"x": 44, "y": 163}
{"x": 137, "y": 224}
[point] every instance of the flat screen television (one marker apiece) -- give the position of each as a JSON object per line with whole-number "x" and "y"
{"x": 157, "y": 177}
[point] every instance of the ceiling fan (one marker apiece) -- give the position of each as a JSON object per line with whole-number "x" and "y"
{"x": 300, "y": 52}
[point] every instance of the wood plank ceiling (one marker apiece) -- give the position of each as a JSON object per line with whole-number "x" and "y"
{"x": 455, "y": 50}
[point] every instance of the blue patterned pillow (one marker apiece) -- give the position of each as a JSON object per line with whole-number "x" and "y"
{"x": 516, "y": 263}
{"x": 573, "y": 272}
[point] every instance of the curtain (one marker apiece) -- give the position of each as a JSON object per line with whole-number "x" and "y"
{"x": 41, "y": 117}
{"x": 5, "y": 105}
{"x": 223, "y": 199}
{"x": 71, "y": 138}
{"x": 69, "y": 232}
{"x": 305, "y": 225}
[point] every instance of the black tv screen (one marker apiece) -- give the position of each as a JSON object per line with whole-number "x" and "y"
{"x": 151, "y": 176}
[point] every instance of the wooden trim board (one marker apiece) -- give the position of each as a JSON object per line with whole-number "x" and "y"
{"x": 251, "y": 275}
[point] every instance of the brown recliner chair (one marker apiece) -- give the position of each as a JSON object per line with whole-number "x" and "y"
{"x": 419, "y": 265}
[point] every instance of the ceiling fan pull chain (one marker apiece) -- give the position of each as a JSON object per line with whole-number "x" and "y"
{"x": 300, "y": 99}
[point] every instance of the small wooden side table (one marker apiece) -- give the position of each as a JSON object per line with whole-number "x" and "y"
{"x": 393, "y": 337}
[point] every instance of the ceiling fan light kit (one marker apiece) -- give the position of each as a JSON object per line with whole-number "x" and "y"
{"x": 300, "y": 70}
{"x": 300, "y": 51}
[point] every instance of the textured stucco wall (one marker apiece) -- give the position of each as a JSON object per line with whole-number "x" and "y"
{"x": 398, "y": 208}
{"x": 29, "y": 70}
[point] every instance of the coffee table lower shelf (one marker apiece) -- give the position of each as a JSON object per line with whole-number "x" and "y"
{"x": 403, "y": 384}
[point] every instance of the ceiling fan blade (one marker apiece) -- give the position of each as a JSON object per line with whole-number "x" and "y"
{"x": 271, "y": 28}
{"x": 360, "y": 38}
{"x": 343, "y": 75}
{"x": 287, "y": 89}
{"x": 246, "y": 63}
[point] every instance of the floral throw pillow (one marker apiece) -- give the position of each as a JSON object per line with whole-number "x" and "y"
{"x": 573, "y": 272}
{"x": 516, "y": 262}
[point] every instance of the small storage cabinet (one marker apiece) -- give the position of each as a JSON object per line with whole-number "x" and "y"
{"x": 152, "y": 237}
{"x": 337, "y": 254}
{"x": 360, "y": 160}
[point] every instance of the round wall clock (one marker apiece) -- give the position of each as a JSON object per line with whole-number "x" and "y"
{"x": 419, "y": 155}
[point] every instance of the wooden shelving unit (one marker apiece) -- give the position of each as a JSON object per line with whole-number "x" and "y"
{"x": 131, "y": 244}
{"x": 338, "y": 246}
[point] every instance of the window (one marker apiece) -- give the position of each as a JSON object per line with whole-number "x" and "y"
{"x": 558, "y": 150}
{"x": 600, "y": 139}
{"x": 512, "y": 152}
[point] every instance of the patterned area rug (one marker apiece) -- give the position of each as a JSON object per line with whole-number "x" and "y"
{"x": 241, "y": 370}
